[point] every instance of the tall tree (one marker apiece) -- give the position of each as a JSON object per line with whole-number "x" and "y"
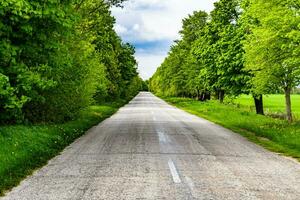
{"x": 227, "y": 46}
{"x": 57, "y": 57}
{"x": 31, "y": 35}
{"x": 272, "y": 50}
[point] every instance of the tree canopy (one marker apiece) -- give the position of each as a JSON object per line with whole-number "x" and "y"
{"x": 241, "y": 47}
{"x": 57, "y": 57}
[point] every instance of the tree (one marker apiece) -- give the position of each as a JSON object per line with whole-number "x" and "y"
{"x": 31, "y": 34}
{"x": 58, "y": 57}
{"x": 272, "y": 50}
{"x": 249, "y": 46}
{"x": 225, "y": 39}
{"x": 174, "y": 75}
{"x": 209, "y": 58}
{"x": 246, "y": 23}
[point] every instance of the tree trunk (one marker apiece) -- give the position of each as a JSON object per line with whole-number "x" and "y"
{"x": 202, "y": 96}
{"x": 288, "y": 104}
{"x": 198, "y": 95}
{"x": 259, "y": 104}
{"x": 216, "y": 94}
{"x": 221, "y": 96}
{"x": 207, "y": 96}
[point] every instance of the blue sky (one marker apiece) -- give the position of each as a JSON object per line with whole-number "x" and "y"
{"x": 152, "y": 26}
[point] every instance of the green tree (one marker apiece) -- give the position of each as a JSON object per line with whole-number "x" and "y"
{"x": 272, "y": 48}
{"x": 220, "y": 50}
{"x": 174, "y": 75}
{"x": 57, "y": 57}
{"x": 31, "y": 34}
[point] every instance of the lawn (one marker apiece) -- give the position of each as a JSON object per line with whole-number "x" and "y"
{"x": 274, "y": 134}
{"x": 25, "y": 148}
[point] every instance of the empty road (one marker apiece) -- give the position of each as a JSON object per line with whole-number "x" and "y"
{"x": 151, "y": 150}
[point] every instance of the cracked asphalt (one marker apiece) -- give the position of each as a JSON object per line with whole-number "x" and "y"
{"x": 151, "y": 150}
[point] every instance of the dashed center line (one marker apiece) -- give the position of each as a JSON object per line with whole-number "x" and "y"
{"x": 162, "y": 137}
{"x": 190, "y": 183}
{"x": 174, "y": 172}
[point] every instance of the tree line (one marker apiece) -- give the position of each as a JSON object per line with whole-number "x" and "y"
{"x": 60, "y": 56}
{"x": 241, "y": 47}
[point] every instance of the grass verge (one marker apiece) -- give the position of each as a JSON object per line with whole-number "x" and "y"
{"x": 26, "y": 148}
{"x": 273, "y": 134}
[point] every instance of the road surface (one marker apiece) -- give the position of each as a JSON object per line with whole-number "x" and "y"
{"x": 151, "y": 150}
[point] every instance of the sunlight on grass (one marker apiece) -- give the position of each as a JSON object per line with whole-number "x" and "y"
{"x": 272, "y": 103}
{"x": 25, "y": 148}
{"x": 275, "y": 134}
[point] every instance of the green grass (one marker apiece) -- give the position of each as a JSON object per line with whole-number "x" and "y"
{"x": 272, "y": 104}
{"x": 26, "y": 148}
{"x": 274, "y": 134}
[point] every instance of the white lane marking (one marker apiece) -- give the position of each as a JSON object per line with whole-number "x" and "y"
{"x": 174, "y": 172}
{"x": 190, "y": 183}
{"x": 162, "y": 137}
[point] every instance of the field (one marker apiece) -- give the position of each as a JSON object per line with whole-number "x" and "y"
{"x": 274, "y": 104}
{"x": 274, "y": 134}
{"x": 25, "y": 148}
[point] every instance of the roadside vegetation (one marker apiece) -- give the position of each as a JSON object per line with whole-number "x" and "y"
{"x": 229, "y": 62}
{"x": 63, "y": 69}
{"x": 274, "y": 134}
{"x": 59, "y": 57}
{"x": 241, "y": 47}
{"x": 27, "y": 147}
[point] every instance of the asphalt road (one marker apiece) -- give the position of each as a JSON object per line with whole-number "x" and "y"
{"x": 151, "y": 150}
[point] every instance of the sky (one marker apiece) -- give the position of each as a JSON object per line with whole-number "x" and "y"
{"x": 151, "y": 26}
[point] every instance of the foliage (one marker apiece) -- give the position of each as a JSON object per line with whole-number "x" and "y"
{"x": 209, "y": 58}
{"x": 171, "y": 77}
{"x": 272, "y": 48}
{"x": 31, "y": 34}
{"x": 58, "y": 57}
{"x": 238, "y": 48}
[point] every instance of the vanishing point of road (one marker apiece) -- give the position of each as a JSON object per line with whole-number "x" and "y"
{"x": 151, "y": 150}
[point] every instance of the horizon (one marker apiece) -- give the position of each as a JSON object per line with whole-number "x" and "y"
{"x": 142, "y": 23}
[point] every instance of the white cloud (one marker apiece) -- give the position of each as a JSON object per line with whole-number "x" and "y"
{"x": 148, "y": 63}
{"x": 136, "y": 27}
{"x": 154, "y": 20}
